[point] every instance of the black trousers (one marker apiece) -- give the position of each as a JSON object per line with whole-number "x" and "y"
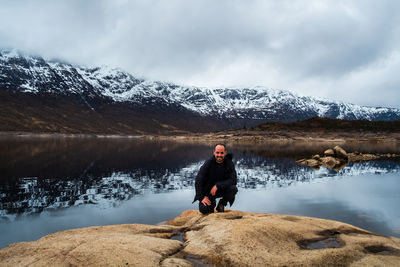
{"x": 228, "y": 195}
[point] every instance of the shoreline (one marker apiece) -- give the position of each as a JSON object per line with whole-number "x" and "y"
{"x": 228, "y": 137}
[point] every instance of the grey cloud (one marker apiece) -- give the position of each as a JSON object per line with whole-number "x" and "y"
{"x": 335, "y": 40}
{"x": 305, "y": 46}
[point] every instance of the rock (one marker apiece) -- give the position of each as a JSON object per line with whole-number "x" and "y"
{"x": 117, "y": 245}
{"x": 236, "y": 238}
{"x": 301, "y": 161}
{"x": 316, "y": 157}
{"x": 337, "y": 158}
{"x": 340, "y": 152}
{"x": 329, "y": 162}
{"x": 232, "y": 238}
{"x": 309, "y": 162}
{"x": 329, "y": 152}
{"x": 312, "y": 163}
{"x": 340, "y": 166}
{"x": 362, "y": 157}
{"x": 176, "y": 262}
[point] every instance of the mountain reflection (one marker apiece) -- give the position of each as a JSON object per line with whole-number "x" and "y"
{"x": 33, "y": 195}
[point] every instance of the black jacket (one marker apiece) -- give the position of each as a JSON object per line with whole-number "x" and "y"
{"x": 208, "y": 177}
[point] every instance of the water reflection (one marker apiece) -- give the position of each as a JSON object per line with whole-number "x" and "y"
{"x": 40, "y": 177}
{"x": 34, "y": 195}
{"x": 78, "y": 158}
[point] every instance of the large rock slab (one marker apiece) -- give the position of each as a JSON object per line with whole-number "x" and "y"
{"x": 232, "y": 238}
{"x": 117, "y": 245}
{"x": 236, "y": 238}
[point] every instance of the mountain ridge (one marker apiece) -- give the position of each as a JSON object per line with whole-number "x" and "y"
{"x": 223, "y": 107}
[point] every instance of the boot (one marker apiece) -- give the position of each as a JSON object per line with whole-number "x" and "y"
{"x": 220, "y": 206}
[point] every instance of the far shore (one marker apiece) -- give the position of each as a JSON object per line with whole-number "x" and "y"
{"x": 239, "y": 137}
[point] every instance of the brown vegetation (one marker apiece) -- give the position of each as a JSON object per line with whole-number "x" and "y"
{"x": 73, "y": 114}
{"x": 25, "y": 112}
{"x": 321, "y": 124}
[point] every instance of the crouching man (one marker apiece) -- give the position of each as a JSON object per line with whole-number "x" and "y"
{"x": 216, "y": 179}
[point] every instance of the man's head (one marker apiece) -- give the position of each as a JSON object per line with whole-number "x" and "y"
{"x": 219, "y": 153}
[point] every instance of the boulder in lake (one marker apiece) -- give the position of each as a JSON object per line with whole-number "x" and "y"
{"x": 329, "y": 152}
{"x": 312, "y": 163}
{"x": 316, "y": 157}
{"x": 337, "y": 158}
{"x": 340, "y": 153}
{"x": 329, "y": 162}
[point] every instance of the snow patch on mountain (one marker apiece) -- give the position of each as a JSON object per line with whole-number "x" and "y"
{"x": 32, "y": 74}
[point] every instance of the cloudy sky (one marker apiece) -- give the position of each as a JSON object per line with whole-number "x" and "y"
{"x": 342, "y": 50}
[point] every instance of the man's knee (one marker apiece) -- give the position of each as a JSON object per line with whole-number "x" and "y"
{"x": 231, "y": 191}
{"x": 229, "y": 195}
{"x": 206, "y": 209}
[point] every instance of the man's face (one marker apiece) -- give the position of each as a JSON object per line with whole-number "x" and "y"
{"x": 219, "y": 153}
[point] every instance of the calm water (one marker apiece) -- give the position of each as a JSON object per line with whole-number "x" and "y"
{"x": 48, "y": 185}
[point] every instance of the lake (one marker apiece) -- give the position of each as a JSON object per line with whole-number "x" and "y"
{"x": 53, "y": 184}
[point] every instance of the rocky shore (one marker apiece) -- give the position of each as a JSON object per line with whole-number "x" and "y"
{"x": 337, "y": 158}
{"x": 232, "y": 136}
{"x": 233, "y": 238}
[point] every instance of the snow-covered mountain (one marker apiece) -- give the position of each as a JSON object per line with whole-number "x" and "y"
{"x": 32, "y": 74}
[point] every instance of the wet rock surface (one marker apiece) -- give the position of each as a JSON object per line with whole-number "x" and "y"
{"x": 337, "y": 158}
{"x": 232, "y": 238}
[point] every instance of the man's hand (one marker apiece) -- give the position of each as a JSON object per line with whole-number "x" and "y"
{"x": 214, "y": 190}
{"x": 206, "y": 201}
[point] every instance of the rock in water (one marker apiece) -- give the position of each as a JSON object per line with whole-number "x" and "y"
{"x": 337, "y": 158}
{"x": 329, "y": 152}
{"x": 340, "y": 153}
{"x": 312, "y": 163}
{"x": 329, "y": 162}
{"x": 316, "y": 157}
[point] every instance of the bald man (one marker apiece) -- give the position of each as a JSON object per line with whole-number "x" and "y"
{"x": 216, "y": 179}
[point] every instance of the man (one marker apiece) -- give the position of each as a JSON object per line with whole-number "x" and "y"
{"x": 216, "y": 179}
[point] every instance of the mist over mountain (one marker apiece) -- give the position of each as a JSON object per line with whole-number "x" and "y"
{"x": 50, "y": 95}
